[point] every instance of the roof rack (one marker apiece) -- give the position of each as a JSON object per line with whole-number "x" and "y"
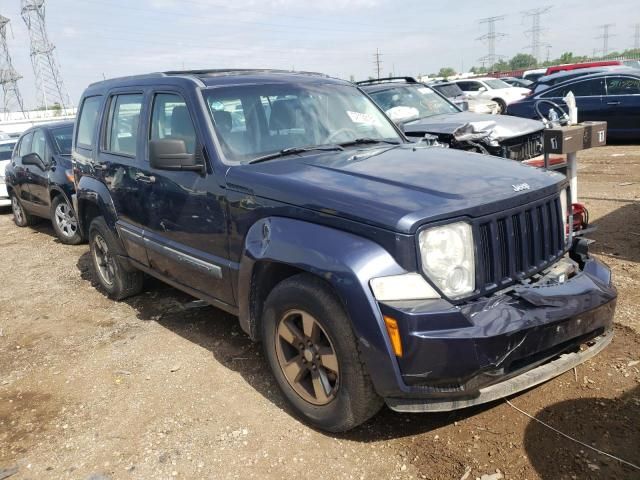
{"x": 223, "y": 71}
{"x": 388, "y": 79}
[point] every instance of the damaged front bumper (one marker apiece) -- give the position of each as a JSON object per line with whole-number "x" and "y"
{"x": 460, "y": 356}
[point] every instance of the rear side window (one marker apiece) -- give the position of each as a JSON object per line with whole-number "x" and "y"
{"x": 623, "y": 86}
{"x": 124, "y": 119}
{"x": 170, "y": 119}
{"x": 87, "y": 121}
{"x": 25, "y": 144}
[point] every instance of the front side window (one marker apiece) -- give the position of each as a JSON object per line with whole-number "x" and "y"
{"x": 124, "y": 119}
{"x": 405, "y": 103}
{"x": 87, "y": 121}
{"x": 497, "y": 84}
{"x": 25, "y": 144}
{"x": 6, "y": 149}
{"x": 62, "y": 139}
{"x": 39, "y": 144}
{"x": 586, "y": 88}
{"x": 623, "y": 86}
{"x": 170, "y": 119}
{"x": 470, "y": 86}
{"x": 255, "y": 120}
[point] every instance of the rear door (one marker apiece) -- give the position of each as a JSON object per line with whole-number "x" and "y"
{"x": 186, "y": 229}
{"x": 623, "y": 105}
{"x": 122, "y": 169}
{"x": 39, "y": 177}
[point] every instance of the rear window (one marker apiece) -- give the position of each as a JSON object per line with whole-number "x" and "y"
{"x": 449, "y": 91}
{"x": 87, "y": 121}
{"x": 6, "y": 149}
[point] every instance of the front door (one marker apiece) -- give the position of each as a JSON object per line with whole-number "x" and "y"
{"x": 186, "y": 233}
{"x": 39, "y": 176}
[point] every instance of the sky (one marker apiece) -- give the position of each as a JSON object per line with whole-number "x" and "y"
{"x": 98, "y": 39}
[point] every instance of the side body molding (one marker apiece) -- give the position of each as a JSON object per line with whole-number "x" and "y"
{"x": 347, "y": 262}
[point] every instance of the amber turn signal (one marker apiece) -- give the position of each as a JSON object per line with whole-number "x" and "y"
{"x": 394, "y": 335}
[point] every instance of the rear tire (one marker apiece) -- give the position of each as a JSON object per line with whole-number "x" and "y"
{"x": 307, "y": 334}
{"x": 65, "y": 222}
{"x": 110, "y": 270}
{"x": 20, "y": 216}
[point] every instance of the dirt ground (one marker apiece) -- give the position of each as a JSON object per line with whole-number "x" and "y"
{"x": 156, "y": 387}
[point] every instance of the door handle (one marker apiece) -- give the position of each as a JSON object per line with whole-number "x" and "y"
{"x": 613, "y": 103}
{"x": 145, "y": 179}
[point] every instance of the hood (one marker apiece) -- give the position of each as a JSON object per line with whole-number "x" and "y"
{"x": 395, "y": 188}
{"x": 499, "y": 127}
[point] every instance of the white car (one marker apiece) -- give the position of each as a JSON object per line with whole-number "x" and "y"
{"x": 492, "y": 89}
{"x": 6, "y": 150}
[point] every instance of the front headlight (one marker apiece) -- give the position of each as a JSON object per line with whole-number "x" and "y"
{"x": 566, "y": 220}
{"x": 448, "y": 258}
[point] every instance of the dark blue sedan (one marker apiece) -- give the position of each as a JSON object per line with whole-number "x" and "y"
{"x": 613, "y": 97}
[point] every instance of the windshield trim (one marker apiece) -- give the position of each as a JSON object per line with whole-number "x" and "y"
{"x": 221, "y": 159}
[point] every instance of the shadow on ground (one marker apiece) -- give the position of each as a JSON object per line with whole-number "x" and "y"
{"x": 611, "y": 425}
{"x": 220, "y": 333}
{"x": 618, "y": 233}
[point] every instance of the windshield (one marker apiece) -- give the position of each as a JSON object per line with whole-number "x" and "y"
{"x": 62, "y": 139}
{"x": 404, "y": 103}
{"x": 252, "y": 121}
{"x": 495, "y": 83}
{"x": 6, "y": 149}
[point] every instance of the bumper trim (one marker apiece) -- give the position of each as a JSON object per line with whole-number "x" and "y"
{"x": 524, "y": 381}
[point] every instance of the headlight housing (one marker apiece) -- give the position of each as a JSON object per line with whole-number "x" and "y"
{"x": 448, "y": 259}
{"x": 567, "y": 222}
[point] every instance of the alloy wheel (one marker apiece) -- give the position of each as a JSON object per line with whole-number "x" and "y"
{"x": 307, "y": 357}
{"x": 105, "y": 263}
{"x": 17, "y": 210}
{"x": 66, "y": 220}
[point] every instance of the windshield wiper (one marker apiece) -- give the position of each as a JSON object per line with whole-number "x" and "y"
{"x": 294, "y": 150}
{"x": 367, "y": 140}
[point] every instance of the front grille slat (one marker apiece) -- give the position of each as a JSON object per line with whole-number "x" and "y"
{"x": 514, "y": 246}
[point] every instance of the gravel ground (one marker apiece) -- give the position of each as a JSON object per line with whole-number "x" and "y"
{"x": 157, "y": 387}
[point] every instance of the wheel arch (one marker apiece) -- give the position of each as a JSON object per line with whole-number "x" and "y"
{"x": 277, "y": 248}
{"x": 93, "y": 200}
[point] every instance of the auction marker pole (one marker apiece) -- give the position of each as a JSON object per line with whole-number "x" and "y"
{"x": 572, "y": 173}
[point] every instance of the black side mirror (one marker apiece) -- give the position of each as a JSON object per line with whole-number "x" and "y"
{"x": 171, "y": 154}
{"x": 33, "y": 159}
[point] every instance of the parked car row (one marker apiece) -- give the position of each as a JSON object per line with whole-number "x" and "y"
{"x": 373, "y": 269}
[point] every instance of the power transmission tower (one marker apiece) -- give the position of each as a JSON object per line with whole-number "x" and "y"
{"x": 377, "y": 62}
{"x": 536, "y": 29}
{"x": 605, "y": 38}
{"x": 49, "y": 83}
{"x": 11, "y": 99}
{"x": 548, "y": 47}
{"x": 636, "y": 37}
{"x": 490, "y": 37}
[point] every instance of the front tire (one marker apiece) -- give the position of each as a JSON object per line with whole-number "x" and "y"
{"x": 20, "y": 216}
{"x": 110, "y": 270}
{"x": 65, "y": 222}
{"x": 502, "y": 106}
{"x": 314, "y": 357}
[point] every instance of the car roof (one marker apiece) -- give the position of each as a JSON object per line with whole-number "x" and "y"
{"x": 213, "y": 77}
{"x": 8, "y": 140}
{"x": 48, "y": 126}
{"x": 631, "y": 72}
{"x": 584, "y": 71}
{"x": 387, "y": 83}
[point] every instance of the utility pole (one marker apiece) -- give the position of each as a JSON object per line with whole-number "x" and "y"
{"x": 377, "y": 62}
{"x": 636, "y": 37}
{"x": 11, "y": 99}
{"x": 535, "y": 30}
{"x": 548, "y": 52}
{"x": 49, "y": 83}
{"x": 490, "y": 37}
{"x": 605, "y": 38}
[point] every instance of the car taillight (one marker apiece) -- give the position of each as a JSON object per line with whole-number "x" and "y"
{"x": 580, "y": 216}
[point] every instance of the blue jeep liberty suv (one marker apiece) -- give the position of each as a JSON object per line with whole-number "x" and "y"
{"x": 373, "y": 270}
